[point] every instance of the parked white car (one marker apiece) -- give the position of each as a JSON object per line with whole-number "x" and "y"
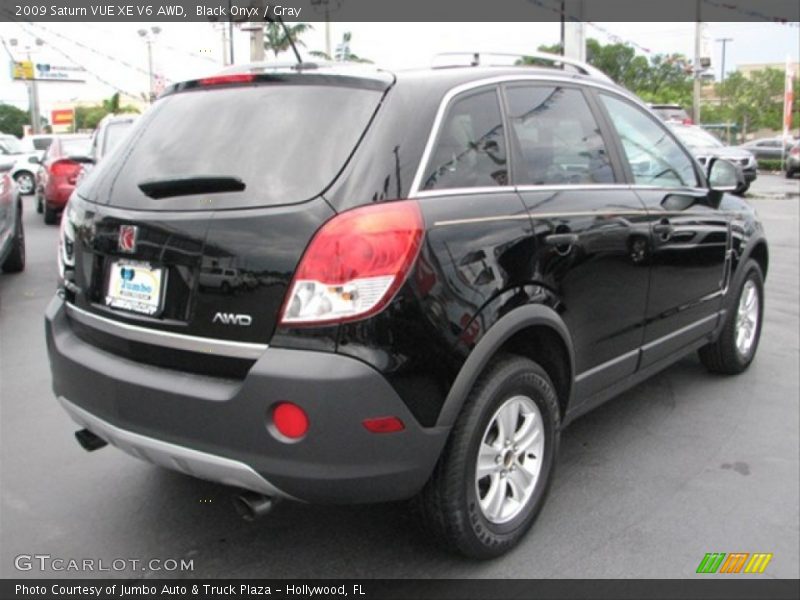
{"x": 25, "y": 163}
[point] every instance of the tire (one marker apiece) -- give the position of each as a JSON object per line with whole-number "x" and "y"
{"x": 742, "y": 190}
{"x": 50, "y": 215}
{"x": 452, "y": 502}
{"x": 732, "y": 354}
{"x": 25, "y": 182}
{"x": 15, "y": 261}
{"x": 39, "y": 204}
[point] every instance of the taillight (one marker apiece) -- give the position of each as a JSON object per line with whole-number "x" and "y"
{"x": 355, "y": 264}
{"x": 66, "y": 243}
{"x": 228, "y": 79}
{"x": 688, "y": 121}
{"x": 66, "y": 168}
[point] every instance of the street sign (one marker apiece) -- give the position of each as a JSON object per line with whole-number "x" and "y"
{"x": 22, "y": 70}
{"x": 27, "y": 70}
{"x": 62, "y": 117}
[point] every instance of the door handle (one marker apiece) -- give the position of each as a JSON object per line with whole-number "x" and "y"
{"x": 562, "y": 239}
{"x": 663, "y": 228}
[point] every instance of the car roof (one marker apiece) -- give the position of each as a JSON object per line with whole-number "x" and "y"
{"x": 443, "y": 77}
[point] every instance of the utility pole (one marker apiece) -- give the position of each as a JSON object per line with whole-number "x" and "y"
{"x": 698, "y": 48}
{"x": 724, "y": 42}
{"x": 33, "y": 88}
{"x": 36, "y": 120}
{"x": 149, "y": 36}
{"x": 256, "y": 42}
{"x": 230, "y": 33}
{"x": 324, "y": 5}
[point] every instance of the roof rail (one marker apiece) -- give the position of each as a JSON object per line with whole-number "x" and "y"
{"x": 476, "y": 60}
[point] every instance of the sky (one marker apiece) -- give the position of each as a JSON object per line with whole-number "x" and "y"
{"x": 115, "y": 52}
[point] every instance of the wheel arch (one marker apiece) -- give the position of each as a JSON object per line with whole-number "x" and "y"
{"x": 534, "y": 331}
{"x": 760, "y": 253}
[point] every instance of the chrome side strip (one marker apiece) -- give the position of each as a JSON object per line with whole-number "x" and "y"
{"x": 172, "y": 456}
{"x": 167, "y": 339}
{"x": 647, "y": 346}
{"x": 681, "y": 331}
{"x": 606, "y": 365}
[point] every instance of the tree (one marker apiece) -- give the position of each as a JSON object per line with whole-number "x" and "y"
{"x": 87, "y": 117}
{"x": 13, "y": 119}
{"x": 276, "y": 39}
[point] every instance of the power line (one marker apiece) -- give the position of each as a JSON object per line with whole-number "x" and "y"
{"x": 162, "y": 44}
{"x": 93, "y": 50}
{"x": 11, "y": 56}
{"x": 76, "y": 63}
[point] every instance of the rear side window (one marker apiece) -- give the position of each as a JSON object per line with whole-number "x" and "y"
{"x": 471, "y": 148}
{"x": 115, "y": 133}
{"x": 285, "y": 142}
{"x": 654, "y": 156}
{"x": 558, "y": 137}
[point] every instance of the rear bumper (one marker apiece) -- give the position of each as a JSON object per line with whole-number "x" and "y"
{"x": 216, "y": 429}
{"x": 56, "y": 194}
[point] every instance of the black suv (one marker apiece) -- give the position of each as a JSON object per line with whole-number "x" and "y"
{"x": 349, "y": 285}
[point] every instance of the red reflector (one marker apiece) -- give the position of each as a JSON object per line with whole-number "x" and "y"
{"x": 225, "y": 79}
{"x": 384, "y": 425}
{"x": 290, "y": 420}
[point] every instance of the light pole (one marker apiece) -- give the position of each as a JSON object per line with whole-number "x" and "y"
{"x": 33, "y": 89}
{"x": 724, "y": 42}
{"x": 326, "y": 10}
{"x": 149, "y": 36}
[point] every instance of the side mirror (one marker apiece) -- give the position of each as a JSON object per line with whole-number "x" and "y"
{"x": 723, "y": 175}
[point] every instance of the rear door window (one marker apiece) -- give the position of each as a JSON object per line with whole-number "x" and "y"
{"x": 470, "y": 150}
{"x": 285, "y": 142}
{"x": 558, "y": 138}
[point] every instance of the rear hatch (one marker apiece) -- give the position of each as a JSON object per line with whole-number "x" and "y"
{"x": 193, "y": 226}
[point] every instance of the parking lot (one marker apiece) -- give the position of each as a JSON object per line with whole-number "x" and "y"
{"x": 682, "y": 465}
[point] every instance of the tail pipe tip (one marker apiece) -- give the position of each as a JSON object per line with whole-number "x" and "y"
{"x": 252, "y": 506}
{"x": 89, "y": 441}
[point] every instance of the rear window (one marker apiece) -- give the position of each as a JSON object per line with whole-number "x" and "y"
{"x": 285, "y": 142}
{"x": 75, "y": 146}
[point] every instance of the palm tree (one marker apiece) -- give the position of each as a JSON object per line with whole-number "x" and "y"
{"x": 276, "y": 40}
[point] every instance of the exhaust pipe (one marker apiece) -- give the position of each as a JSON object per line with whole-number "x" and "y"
{"x": 252, "y": 506}
{"x": 89, "y": 441}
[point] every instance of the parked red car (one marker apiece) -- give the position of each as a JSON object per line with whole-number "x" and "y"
{"x": 56, "y": 179}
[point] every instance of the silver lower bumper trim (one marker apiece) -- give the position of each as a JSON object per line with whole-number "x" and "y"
{"x": 172, "y": 456}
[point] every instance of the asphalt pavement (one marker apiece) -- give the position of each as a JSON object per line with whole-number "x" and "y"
{"x": 684, "y": 464}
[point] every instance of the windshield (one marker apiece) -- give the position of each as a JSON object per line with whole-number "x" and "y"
{"x": 11, "y": 145}
{"x": 696, "y": 137}
{"x": 284, "y": 143}
{"x": 75, "y": 146}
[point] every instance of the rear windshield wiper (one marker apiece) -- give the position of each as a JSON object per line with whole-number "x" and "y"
{"x": 186, "y": 186}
